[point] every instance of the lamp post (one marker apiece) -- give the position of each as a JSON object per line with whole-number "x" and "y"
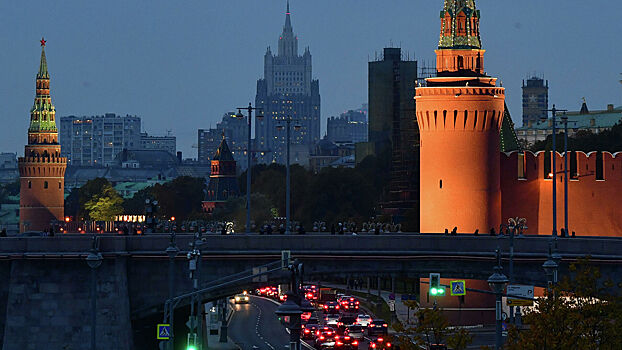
{"x": 94, "y": 260}
{"x": 250, "y": 110}
{"x": 194, "y": 256}
{"x": 288, "y": 120}
{"x": 294, "y": 306}
{"x": 172, "y": 252}
{"x": 550, "y": 268}
{"x": 514, "y": 224}
{"x": 554, "y": 170}
{"x": 497, "y": 282}
{"x": 565, "y": 121}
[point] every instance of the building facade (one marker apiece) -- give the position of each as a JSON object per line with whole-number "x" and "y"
{"x": 584, "y": 120}
{"x": 42, "y": 168}
{"x": 349, "y": 127}
{"x": 236, "y": 131}
{"x": 166, "y": 143}
{"x": 460, "y": 113}
{"x": 96, "y": 140}
{"x": 223, "y": 182}
{"x": 535, "y": 100}
{"x": 287, "y": 90}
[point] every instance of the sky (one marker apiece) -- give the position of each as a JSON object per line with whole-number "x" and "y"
{"x": 180, "y": 65}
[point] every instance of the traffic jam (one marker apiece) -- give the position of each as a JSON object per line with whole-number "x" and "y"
{"x": 339, "y": 322}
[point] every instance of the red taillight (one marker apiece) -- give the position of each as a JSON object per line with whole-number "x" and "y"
{"x": 339, "y": 343}
{"x": 355, "y": 343}
{"x": 346, "y": 338}
{"x": 384, "y": 325}
{"x": 326, "y": 307}
{"x": 336, "y": 307}
{"x": 380, "y": 340}
{"x": 372, "y": 325}
{"x": 373, "y": 345}
{"x": 388, "y": 345}
{"x": 307, "y": 331}
{"x": 322, "y": 338}
{"x": 336, "y": 337}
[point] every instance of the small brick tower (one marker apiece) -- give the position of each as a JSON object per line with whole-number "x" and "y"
{"x": 460, "y": 113}
{"x": 42, "y": 169}
{"x": 223, "y": 182}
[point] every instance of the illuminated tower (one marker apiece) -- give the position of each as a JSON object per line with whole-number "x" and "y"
{"x": 42, "y": 169}
{"x": 460, "y": 113}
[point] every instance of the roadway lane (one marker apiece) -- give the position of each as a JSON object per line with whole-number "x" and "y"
{"x": 254, "y": 326}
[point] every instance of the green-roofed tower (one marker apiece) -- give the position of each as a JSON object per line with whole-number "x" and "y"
{"x": 42, "y": 169}
{"x": 509, "y": 140}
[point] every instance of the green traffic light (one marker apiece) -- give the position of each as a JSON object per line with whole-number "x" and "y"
{"x": 191, "y": 347}
{"x": 433, "y": 291}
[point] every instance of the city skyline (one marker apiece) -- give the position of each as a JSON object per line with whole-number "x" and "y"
{"x": 223, "y": 45}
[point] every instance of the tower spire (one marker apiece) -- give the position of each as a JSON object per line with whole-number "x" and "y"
{"x": 460, "y": 25}
{"x": 43, "y": 66}
{"x": 288, "y": 42}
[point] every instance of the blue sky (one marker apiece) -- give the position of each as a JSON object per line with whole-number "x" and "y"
{"x": 181, "y": 64}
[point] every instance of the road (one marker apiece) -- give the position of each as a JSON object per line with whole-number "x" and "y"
{"x": 254, "y": 326}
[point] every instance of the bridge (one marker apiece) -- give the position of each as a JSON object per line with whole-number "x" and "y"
{"x": 45, "y": 286}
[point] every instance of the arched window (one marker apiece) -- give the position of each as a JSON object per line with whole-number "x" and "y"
{"x": 29, "y": 184}
{"x": 45, "y": 184}
{"x": 460, "y": 63}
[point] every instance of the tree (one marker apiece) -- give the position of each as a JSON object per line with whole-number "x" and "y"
{"x": 136, "y": 204}
{"x": 180, "y": 197}
{"x": 78, "y": 197}
{"x": 104, "y": 206}
{"x": 586, "y": 141}
{"x": 234, "y": 210}
{"x": 433, "y": 328}
{"x": 581, "y": 313}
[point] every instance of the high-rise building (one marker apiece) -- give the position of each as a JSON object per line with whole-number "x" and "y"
{"x": 96, "y": 140}
{"x": 287, "y": 90}
{"x": 236, "y": 131}
{"x": 460, "y": 113}
{"x": 535, "y": 100}
{"x": 158, "y": 143}
{"x": 349, "y": 127}
{"x": 42, "y": 169}
{"x": 393, "y": 128}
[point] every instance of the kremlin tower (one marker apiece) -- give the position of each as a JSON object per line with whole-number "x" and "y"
{"x": 42, "y": 169}
{"x": 460, "y": 113}
{"x": 223, "y": 182}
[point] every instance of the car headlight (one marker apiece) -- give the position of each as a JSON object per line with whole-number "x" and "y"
{"x": 237, "y": 298}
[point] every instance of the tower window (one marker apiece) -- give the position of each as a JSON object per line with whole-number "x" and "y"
{"x": 45, "y": 184}
{"x": 440, "y": 184}
{"x": 60, "y": 185}
{"x": 29, "y": 184}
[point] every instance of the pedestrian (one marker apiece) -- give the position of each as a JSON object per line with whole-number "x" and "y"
{"x": 3, "y": 233}
{"x": 341, "y": 229}
{"x": 454, "y": 232}
{"x": 476, "y": 233}
{"x": 282, "y": 229}
{"x": 492, "y": 232}
{"x": 224, "y": 230}
{"x": 446, "y": 232}
{"x": 332, "y": 229}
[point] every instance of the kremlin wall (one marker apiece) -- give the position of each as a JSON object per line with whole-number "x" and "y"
{"x": 594, "y": 192}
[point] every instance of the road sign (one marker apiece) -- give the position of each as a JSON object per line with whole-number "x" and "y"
{"x": 458, "y": 288}
{"x": 521, "y": 291}
{"x": 392, "y": 305}
{"x": 164, "y": 331}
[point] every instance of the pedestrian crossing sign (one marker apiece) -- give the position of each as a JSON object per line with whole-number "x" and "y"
{"x": 164, "y": 331}
{"x": 458, "y": 288}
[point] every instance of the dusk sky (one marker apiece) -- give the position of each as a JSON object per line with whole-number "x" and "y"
{"x": 181, "y": 64}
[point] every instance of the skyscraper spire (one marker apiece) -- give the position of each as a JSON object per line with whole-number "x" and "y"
{"x": 288, "y": 42}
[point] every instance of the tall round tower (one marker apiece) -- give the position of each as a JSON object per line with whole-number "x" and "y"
{"x": 460, "y": 113}
{"x": 42, "y": 169}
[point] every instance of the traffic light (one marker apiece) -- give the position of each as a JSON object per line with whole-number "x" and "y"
{"x": 435, "y": 285}
{"x": 192, "y": 342}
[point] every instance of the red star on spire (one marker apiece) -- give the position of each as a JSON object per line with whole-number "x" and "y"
{"x": 43, "y": 42}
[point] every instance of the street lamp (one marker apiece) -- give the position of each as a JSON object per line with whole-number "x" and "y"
{"x": 297, "y": 127}
{"x": 565, "y": 121}
{"x": 94, "y": 260}
{"x": 554, "y": 170}
{"x": 550, "y": 268}
{"x": 291, "y": 309}
{"x": 497, "y": 282}
{"x": 194, "y": 257}
{"x": 250, "y": 110}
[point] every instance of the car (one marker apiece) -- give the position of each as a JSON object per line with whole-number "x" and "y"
{"x": 346, "y": 342}
{"x": 345, "y": 321}
{"x": 241, "y": 298}
{"x": 355, "y": 331}
{"x": 363, "y": 320}
{"x": 313, "y": 320}
{"x": 331, "y": 319}
{"x": 379, "y": 343}
{"x": 308, "y": 330}
{"x": 305, "y": 316}
{"x": 331, "y": 307}
{"x": 325, "y": 338}
{"x": 377, "y": 327}
{"x": 351, "y": 305}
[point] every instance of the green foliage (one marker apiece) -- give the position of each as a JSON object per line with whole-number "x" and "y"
{"x": 136, "y": 204}
{"x": 582, "y": 313}
{"x": 179, "y": 198}
{"x": 77, "y": 199}
{"x": 433, "y": 328}
{"x": 104, "y": 206}
{"x": 586, "y": 141}
{"x": 234, "y": 210}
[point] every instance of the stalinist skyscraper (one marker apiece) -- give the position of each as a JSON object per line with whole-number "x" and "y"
{"x": 287, "y": 90}
{"x": 41, "y": 169}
